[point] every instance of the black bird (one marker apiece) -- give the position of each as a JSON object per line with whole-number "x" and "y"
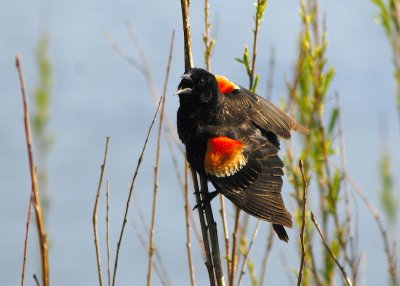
{"x": 231, "y": 138}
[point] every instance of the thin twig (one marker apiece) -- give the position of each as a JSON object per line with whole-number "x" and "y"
{"x": 234, "y": 249}
{"x": 187, "y": 217}
{"x": 125, "y": 220}
{"x": 28, "y": 223}
{"x": 182, "y": 183}
{"x": 108, "y": 233}
{"x": 255, "y": 43}
{"x": 206, "y": 242}
{"x": 156, "y": 168}
{"x": 212, "y": 229}
{"x": 246, "y": 255}
{"x": 266, "y": 255}
{"x": 226, "y": 236}
{"x": 187, "y": 40}
{"x": 35, "y": 190}
{"x": 375, "y": 214}
{"x": 162, "y": 273}
{"x": 341, "y": 268}
{"x": 95, "y": 211}
{"x": 209, "y": 43}
{"x": 303, "y": 225}
{"x": 157, "y": 266}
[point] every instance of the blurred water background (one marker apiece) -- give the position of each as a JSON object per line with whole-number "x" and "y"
{"x": 98, "y": 94}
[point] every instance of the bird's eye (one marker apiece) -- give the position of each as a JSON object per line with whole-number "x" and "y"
{"x": 201, "y": 82}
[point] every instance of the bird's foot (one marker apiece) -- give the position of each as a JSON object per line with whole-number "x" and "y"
{"x": 207, "y": 199}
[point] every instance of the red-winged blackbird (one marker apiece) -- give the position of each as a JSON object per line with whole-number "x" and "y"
{"x": 231, "y": 138}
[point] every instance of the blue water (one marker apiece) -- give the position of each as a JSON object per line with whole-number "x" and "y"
{"x": 98, "y": 94}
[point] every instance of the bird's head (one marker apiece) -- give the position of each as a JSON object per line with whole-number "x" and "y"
{"x": 198, "y": 86}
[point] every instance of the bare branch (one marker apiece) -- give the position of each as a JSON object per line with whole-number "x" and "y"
{"x": 125, "y": 220}
{"x": 28, "y": 222}
{"x": 95, "y": 211}
{"x": 341, "y": 268}
{"x": 35, "y": 189}
{"x": 187, "y": 217}
{"x": 246, "y": 255}
{"x": 303, "y": 249}
{"x": 156, "y": 168}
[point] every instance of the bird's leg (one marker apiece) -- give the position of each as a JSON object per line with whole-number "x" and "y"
{"x": 207, "y": 199}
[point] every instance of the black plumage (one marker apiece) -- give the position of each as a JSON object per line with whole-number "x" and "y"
{"x": 236, "y": 132}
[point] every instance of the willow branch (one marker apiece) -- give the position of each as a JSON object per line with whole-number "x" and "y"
{"x": 234, "y": 249}
{"x": 35, "y": 189}
{"x": 156, "y": 168}
{"x": 185, "y": 6}
{"x": 28, "y": 223}
{"x": 206, "y": 241}
{"x": 246, "y": 255}
{"x": 108, "y": 233}
{"x": 125, "y": 220}
{"x": 95, "y": 211}
{"x": 341, "y": 268}
{"x": 303, "y": 224}
{"x": 187, "y": 218}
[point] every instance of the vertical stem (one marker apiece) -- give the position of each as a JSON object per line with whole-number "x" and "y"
{"x": 128, "y": 201}
{"x": 108, "y": 233}
{"x": 95, "y": 210}
{"x": 156, "y": 168}
{"x": 303, "y": 249}
{"x": 226, "y": 236}
{"x": 187, "y": 217}
{"x": 212, "y": 228}
{"x": 185, "y": 5}
{"x": 28, "y": 223}
{"x": 35, "y": 189}
{"x": 209, "y": 262}
{"x": 234, "y": 248}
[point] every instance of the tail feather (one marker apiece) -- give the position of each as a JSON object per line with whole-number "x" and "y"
{"x": 281, "y": 232}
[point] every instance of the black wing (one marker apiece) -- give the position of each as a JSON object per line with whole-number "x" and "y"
{"x": 262, "y": 112}
{"x": 256, "y": 188}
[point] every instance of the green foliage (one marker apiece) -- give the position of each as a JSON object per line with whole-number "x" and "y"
{"x": 389, "y": 18}
{"x": 387, "y": 195}
{"x": 41, "y": 116}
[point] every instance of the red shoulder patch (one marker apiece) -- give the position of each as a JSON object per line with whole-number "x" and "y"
{"x": 224, "y": 156}
{"x": 225, "y": 85}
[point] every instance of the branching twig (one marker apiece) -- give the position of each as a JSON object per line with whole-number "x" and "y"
{"x": 96, "y": 205}
{"x": 156, "y": 168}
{"x": 35, "y": 190}
{"x": 303, "y": 225}
{"x": 131, "y": 192}
{"x": 341, "y": 268}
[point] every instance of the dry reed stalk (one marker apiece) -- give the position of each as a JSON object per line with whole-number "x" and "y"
{"x": 44, "y": 251}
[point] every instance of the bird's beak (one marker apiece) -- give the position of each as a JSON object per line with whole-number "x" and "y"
{"x": 185, "y": 87}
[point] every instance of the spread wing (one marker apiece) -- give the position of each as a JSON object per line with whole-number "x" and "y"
{"x": 255, "y": 186}
{"x": 262, "y": 112}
